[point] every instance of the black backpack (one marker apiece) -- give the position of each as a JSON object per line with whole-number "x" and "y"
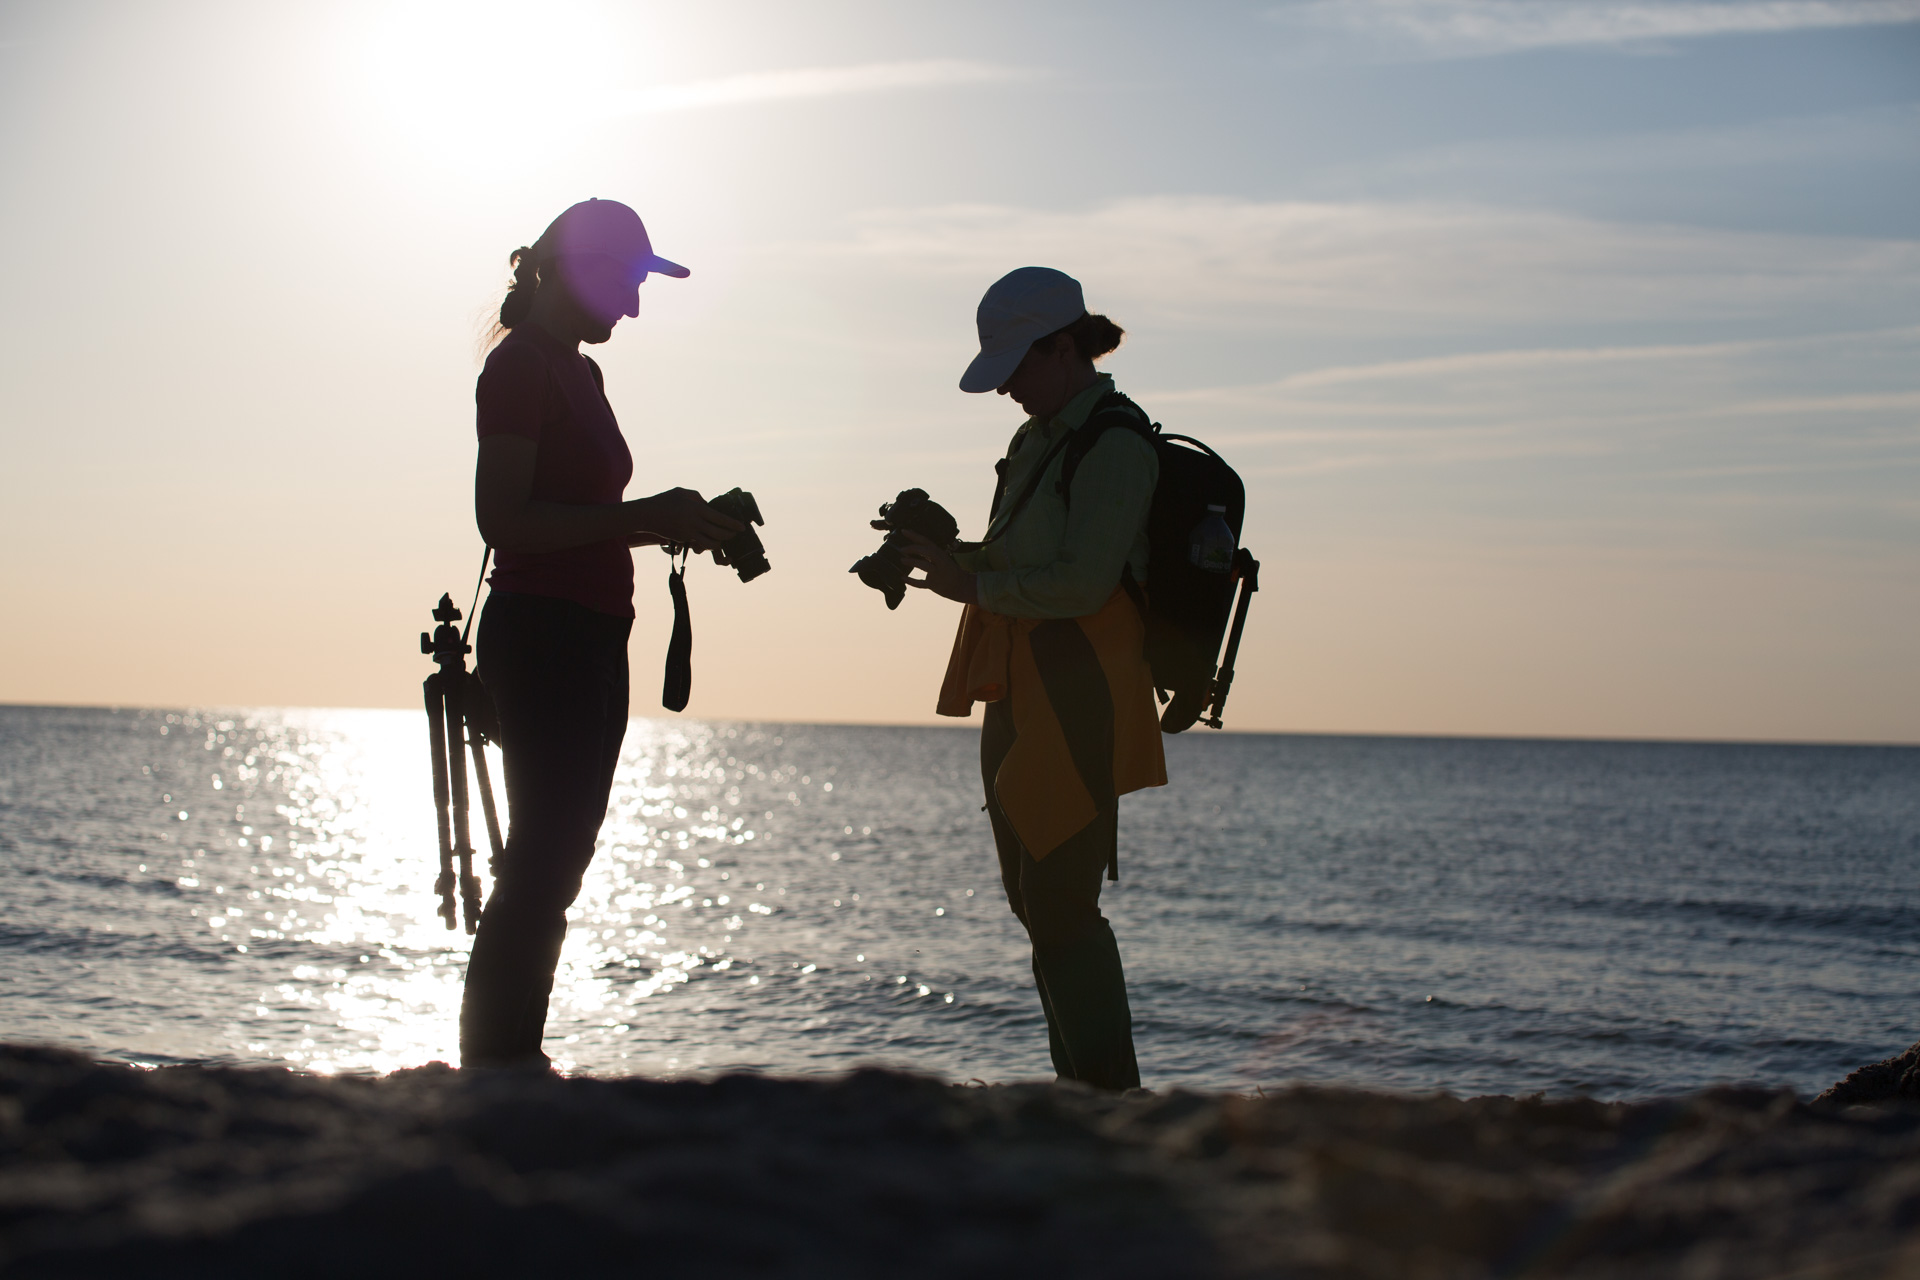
{"x": 1186, "y": 607}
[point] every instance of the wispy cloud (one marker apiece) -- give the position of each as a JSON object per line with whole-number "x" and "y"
{"x": 1883, "y": 138}
{"x": 812, "y": 82}
{"x": 1207, "y": 263}
{"x": 1844, "y": 404}
{"x": 1723, "y": 364}
{"x": 1468, "y": 27}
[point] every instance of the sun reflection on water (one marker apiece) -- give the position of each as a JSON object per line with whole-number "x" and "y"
{"x": 354, "y": 861}
{"x": 354, "y": 885}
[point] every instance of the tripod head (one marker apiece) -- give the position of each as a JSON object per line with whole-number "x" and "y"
{"x": 447, "y": 646}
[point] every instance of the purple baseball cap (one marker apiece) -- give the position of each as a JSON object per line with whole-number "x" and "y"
{"x": 605, "y": 227}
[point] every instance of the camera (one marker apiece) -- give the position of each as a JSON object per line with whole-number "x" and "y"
{"x": 913, "y": 511}
{"x": 743, "y": 551}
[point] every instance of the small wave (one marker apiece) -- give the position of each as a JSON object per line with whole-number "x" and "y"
{"x": 98, "y": 942}
{"x": 103, "y": 880}
{"x": 1853, "y": 919}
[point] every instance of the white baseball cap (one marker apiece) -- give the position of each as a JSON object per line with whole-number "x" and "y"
{"x": 1021, "y": 308}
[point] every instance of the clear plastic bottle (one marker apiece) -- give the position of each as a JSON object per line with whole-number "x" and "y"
{"x": 1211, "y": 545}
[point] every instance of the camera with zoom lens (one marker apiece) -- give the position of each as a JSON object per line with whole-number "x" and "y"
{"x": 743, "y": 551}
{"x": 913, "y": 511}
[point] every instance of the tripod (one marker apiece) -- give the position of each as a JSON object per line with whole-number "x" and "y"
{"x": 1247, "y": 570}
{"x": 458, "y": 710}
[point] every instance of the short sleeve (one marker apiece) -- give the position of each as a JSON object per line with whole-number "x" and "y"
{"x": 511, "y": 397}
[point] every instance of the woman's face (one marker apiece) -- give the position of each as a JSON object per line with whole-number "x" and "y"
{"x": 1049, "y": 375}
{"x": 602, "y": 290}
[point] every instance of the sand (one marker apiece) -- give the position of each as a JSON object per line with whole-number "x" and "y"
{"x": 209, "y": 1172}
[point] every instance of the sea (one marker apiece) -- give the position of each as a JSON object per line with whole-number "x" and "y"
{"x": 1617, "y": 919}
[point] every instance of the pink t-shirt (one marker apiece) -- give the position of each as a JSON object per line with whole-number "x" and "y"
{"x": 542, "y": 390}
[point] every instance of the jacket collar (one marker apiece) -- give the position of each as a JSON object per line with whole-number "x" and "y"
{"x": 1075, "y": 413}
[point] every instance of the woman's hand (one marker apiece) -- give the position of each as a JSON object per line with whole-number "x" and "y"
{"x": 944, "y": 577}
{"x": 683, "y": 518}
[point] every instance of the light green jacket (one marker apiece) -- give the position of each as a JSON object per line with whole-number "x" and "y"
{"x": 1056, "y": 562}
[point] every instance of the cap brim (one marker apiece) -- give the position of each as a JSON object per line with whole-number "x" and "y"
{"x": 657, "y": 265}
{"x": 991, "y": 368}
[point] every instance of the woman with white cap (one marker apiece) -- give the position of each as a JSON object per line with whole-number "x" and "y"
{"x": 552, "y": 641}
{"x": 1052, "y": 642}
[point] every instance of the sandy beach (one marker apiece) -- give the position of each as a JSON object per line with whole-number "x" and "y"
{"x": 196, "y": 1171}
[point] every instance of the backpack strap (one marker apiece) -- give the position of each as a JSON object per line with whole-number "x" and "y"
{"x": 1112, "y": 410}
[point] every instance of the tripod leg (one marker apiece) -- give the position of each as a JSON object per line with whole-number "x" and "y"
{"x": 436, "y": 731}
{"x": 1249, "y": 570}
{"x": 457, "y": 762}
{"x": 484, "y": 781}
{"x": 470, "y": 883}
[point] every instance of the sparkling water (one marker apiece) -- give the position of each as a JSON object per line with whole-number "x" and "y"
{"x": 1480, "y": 916}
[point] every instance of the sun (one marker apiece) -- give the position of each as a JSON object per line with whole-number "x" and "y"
{"x": 468, "y": 85}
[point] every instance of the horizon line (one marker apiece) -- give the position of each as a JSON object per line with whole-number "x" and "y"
{"x": 970, "y": 722}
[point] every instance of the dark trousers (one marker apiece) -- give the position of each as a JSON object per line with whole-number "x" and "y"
{"x": 1076, "y": 959}
{"x": 558, "y": 674}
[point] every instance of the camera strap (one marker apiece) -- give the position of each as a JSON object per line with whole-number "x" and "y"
{"x": 481, "y": 581}
{"x": 1112, "y": 410}
{"x": 679, "y": 678}
{"x": 1026, "y": 493}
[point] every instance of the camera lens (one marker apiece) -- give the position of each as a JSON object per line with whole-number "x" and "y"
{"x": 913, "y": 510}
{"x": 884, "y": 572}
{"x": 744, "y": 551}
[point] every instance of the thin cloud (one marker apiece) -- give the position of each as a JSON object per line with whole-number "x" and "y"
{"x": 1203, "y": 263}
{"x": 1555, "y": 361}
{"x": 1843, "y": 402}
{"x": 1887, "y": 136}
{"x": 1470, "y": 27}
{"x": 813, "y": 82}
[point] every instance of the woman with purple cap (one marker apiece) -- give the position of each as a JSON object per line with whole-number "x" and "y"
{"x": 548, "y": 495}
{"x": 1052, "y": 641}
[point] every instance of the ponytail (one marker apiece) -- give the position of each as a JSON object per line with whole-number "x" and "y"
{"x": 1093, "y": 336}
{"x": 518, "y": 303}
{"x": 526, "y": 283}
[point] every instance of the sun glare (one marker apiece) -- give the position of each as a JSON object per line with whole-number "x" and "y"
{"x": 467, "y": 85}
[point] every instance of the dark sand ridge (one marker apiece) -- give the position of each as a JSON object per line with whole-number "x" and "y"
{"x": 107, "y": 1170}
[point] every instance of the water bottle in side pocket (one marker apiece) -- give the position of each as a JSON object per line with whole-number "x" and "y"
{"x": 1212, "y": 543}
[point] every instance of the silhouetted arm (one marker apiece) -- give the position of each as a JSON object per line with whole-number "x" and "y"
{"x": 511, "y": 520}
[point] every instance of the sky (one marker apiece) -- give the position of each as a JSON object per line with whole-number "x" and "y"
{"x": 1570, "y": 349}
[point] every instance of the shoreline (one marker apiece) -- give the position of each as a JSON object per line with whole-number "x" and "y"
{"x": 227, "y": 1171}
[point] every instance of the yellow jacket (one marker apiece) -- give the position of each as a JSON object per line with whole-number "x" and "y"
{"x": 1083, "y": 711}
